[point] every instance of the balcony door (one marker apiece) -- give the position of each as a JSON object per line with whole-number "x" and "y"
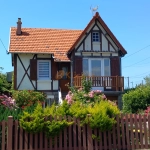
{"x": 95, "y": 67}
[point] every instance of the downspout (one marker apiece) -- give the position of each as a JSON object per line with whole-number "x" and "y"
{"x": 71, "y": 72}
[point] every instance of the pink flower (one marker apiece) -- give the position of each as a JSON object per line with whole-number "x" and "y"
{"x": 69, "y": 98}
{"x": 103, "y": 97}
{"x": 69, "y": 92}
{"x": 80, "y": 89}
{"x": 91, "y": 95}
{"x": 98, "y": 91}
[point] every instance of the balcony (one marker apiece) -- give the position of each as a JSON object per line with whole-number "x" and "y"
{"x": 108, "y": 83}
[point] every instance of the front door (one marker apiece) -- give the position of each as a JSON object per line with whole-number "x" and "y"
{"x": 64, "y": 67}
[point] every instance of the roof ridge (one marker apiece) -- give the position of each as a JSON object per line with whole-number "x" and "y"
{"x": 49, "y": 29}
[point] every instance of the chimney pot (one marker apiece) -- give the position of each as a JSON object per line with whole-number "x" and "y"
{"x": 18, "y": 32}
{"x": 19, "y": 19}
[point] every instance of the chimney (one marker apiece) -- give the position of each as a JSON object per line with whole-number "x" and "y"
{"x": 18, "y": 32}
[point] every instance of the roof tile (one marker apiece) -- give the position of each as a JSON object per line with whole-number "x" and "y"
{"x": 39, "y": 40}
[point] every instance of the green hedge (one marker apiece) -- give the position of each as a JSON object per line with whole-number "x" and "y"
{"x": 136, "y": 100}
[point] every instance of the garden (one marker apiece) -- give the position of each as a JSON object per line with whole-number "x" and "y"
{"x": 90, "y": 106}
{"x": 84, "y": 113}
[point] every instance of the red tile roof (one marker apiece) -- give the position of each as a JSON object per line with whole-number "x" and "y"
{"x": 39, "y": 40}
{"x": 55, "y": 41}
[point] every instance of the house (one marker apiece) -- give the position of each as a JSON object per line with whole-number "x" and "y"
{"x": 48, "y": 59}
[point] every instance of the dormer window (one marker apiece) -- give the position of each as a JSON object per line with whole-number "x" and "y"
{"x": 95, "y": 37}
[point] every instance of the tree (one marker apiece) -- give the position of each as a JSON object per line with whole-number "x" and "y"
{"x": 4, "y": 85}
{"x": 147, "y": 80}
{"x": 137, "y": 99}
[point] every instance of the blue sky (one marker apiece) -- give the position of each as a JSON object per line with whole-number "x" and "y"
{"x": 129, "y": 21}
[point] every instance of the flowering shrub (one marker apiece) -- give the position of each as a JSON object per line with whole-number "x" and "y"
{"x": 7, "y": 101}
{"x": 86, "y": 98}
{"x": 85, "y": 102}
{"x": 84, "y": 94}
{"x": 26, "y": 98}
{"x": 147, "y": 111}
{"x": 92, "y": 107}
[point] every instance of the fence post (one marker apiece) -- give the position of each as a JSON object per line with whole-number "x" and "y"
{"x": 9, "y": 133}
{"x": 89, "y": 133}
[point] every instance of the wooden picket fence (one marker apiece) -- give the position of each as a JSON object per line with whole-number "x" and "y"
{"x": 129, "y": 133}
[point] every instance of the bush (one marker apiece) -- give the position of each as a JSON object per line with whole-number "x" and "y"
{"x": 136, "y": 100}
{"x": 27, "y": 97}
{"x": 16, "y": 112}
{"x": 101, "y": 115}
{"x": 4, "y": 85}
{"x": 84, "y": 94}
{"x": 91, "y": 107}
{"x": 7, "y": 101}
{"x": 39, "y": 120}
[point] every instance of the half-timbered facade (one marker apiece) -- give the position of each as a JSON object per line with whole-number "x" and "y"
{"x": 49, "y": 59}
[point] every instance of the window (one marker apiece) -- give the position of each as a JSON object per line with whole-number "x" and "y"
{"x": 96, "y": 67}
{"x": 85, "y": 67}
{"x": 95, "y": 37}
{"x": 65, "y": 72}
{"x": 106, "y": 67}
{"x": 43, "y": 69}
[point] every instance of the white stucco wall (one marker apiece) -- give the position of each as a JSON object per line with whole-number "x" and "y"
{"x": 95, "y": 28}
{"x": 111, "y": 48}
{"x": 80, "y": 48}
{"x": 26, "y": 84}
{"x": 104, "y": 43}
{"x": 88, "y": 43}
{"x": 102, "y": 29}
{"x": 55, "y": 84}
{"x": 44, "y": 85}
{"x": 111, "y": 41}
{"x": 96, "y": 46}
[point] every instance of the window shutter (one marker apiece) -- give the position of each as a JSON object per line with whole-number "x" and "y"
{"x": 54, "y": 70}
{"x": 44, "y": 69}
{"x": 78, "y": 66}
{"x": 33, "y": 69}
{"x": 115, "y": 66}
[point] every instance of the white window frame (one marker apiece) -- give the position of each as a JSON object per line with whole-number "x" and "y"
{"x": 94, "y": 39}
{"x": 44, "y": 78}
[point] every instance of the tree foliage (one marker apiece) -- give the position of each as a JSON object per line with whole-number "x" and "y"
{"x": 137, "y": 99}
{"x": 147, "y": 80}
{"x": 4, "y": 85}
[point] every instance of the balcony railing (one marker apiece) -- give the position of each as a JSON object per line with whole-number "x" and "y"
{"x": 111, "y": 83}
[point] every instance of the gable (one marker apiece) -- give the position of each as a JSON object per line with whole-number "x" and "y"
{"x": 106, "y": 42}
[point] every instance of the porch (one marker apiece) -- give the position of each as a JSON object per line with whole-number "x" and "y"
{"x": 106, "y": 83}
